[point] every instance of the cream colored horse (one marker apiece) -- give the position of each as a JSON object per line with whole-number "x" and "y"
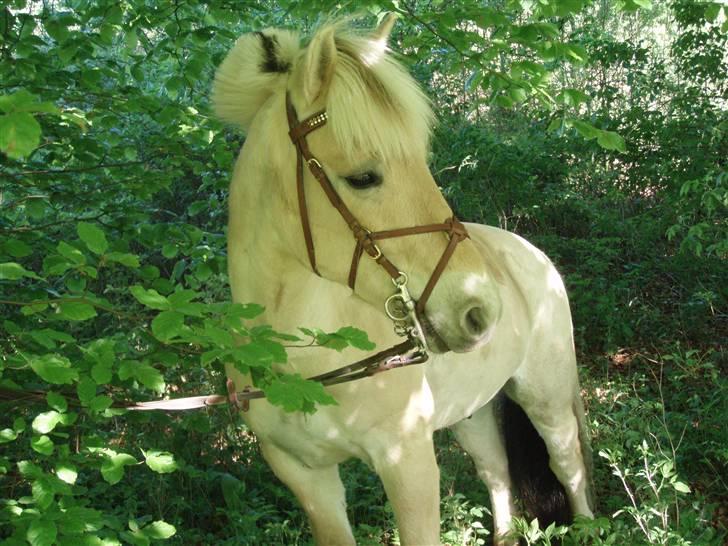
{"x": 498, "y": 318}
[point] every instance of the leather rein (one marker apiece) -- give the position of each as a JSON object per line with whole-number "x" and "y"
{"x": 400, "y": 307}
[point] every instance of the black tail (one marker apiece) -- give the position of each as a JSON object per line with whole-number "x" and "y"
{"x": 542, "y": 494}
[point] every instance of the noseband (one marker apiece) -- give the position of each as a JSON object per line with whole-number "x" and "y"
{"x": 400, "y": 306}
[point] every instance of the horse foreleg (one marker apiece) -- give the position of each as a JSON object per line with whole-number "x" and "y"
{"x": 411, "y": 479}
{"x": 480, "y": 436}
{"x": 320, "y": 492}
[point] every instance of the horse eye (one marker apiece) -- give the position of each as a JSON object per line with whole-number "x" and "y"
{"x": 363, "y": 180}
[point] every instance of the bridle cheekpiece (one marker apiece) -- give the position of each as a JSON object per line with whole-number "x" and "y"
{"x": 400, "y": 307}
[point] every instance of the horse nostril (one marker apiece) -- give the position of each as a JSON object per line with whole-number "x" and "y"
{"x": 476, "y": 321}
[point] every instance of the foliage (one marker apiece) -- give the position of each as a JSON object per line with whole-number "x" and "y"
{"x": 595, "y": 128}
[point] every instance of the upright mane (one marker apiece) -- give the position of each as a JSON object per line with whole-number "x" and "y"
{"x": 374, "y": 105}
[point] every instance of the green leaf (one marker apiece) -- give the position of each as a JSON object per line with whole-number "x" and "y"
{"x": 30, "y": 470}
{"x": 150, "y": 298}
{"x": 159, "y": 530}
{"x": 147, "y": 375}
{"x": 100, "y": 403}
{"x": 42, "y": 532}
{"x": 245, "y": 310}
{"x": 80, "y": 523}
{"x": 203, "y": 271}
{"x": 7, "y": 435}
{"x": 72, "y": 254}
{"x": 575, "y": 53}
{"x": 76, "y": 310}
{"x": 17, "y": 248}
{"x": 101, "y": 352}
{"x": 128, "y": 260}
{"x": 66, "y": 472}
{"x": 46, "y": 422}
{"x": 167, "y": 325}
{"x": 611, "y": 141}
{"x": 12, "y": 271}
{"x": 101, "y": 373}
{"x": 294, "y": 393}
{"x": 555, "y": 125}
{"x": 24, "y": 101}
{"x": 587, "y": 130}
{"x": 252, "y": 354}
{"x": 42, "y": 493}
{"x": 28, "y": 310}
{"x": 161, "y": 462}
{"x": 712, "y": 11}
{"x": 169, "y": 250}
{"x": 356, "y": 338}
{"x": 112, "y": 469}
{"x": 197, "y": 207}
{"x": 572, "y": 97}
{"x": 56, "y": 401}
{"x": 65, "y": 54}
{"x": 54, "y": 369}
{"x": 42, "y": 444}
{"x": 330, "y": 341}
{"x": 681, "y": 487}
{"x": 93, "y": 236}
{"x": 19, "y": 425}
{"x": 19, "y": 134}
{"x": 48, "y": 337}
{"x": 86, "y": 390}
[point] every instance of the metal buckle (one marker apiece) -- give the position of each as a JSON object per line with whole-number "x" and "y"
{"x": 404, "y": 315}
{"x": 402, "y": 296}
{"x": 375, "y": 245}
{"x": 313, "y": 161}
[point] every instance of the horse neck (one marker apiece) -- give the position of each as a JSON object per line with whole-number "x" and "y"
{"x": 267, "y": 258}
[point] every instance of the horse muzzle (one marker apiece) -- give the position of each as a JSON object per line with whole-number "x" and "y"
{"x": 462, "y": 325}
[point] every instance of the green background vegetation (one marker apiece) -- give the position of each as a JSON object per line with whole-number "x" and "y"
{"x": 595, "y": 128}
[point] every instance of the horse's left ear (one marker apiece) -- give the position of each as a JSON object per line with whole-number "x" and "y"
{"x": 382, "y": 32}
{"x": 319, "y": 63}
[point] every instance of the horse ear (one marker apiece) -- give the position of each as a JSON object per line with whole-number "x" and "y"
{"x": 382, "y": 32}
{"x": 255, "y": 67}
{"x": 318, "y": 64}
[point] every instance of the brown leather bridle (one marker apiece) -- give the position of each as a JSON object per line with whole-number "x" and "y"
{"x": 365, "y": 239}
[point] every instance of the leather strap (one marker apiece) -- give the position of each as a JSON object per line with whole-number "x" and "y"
{"x": 301, "y": 190}
{"x": 388, "y": 359}
{"x": 365, "y": 239}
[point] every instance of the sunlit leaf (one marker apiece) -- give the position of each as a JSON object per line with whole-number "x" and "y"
{"x": 19, "y": 134}
{"x": 54, "y": 369}
{"x": 161, "y": 462}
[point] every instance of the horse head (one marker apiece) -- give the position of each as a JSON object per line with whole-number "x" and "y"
{"x": 340, "y": 110}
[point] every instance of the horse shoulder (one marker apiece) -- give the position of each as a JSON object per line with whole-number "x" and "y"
{"x": 515, "y": 262}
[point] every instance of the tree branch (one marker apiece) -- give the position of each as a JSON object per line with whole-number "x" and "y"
{"x": 434, "y": 31}
{"x": 79, "y": 169}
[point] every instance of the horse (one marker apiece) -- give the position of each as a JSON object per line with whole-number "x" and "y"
{"x": 491, "y": 309}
